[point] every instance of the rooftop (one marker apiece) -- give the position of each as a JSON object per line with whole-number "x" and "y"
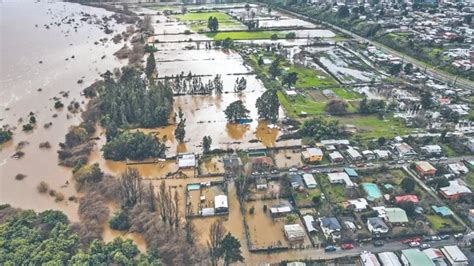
{"x": 416, "y": 257}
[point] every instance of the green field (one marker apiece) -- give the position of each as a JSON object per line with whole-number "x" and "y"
{"x": 439, "y": 223}
{"x": 308, "y": 77}
{"x": 244, "y": 35}
{"x": 371, "y": 127}
{"x": 470, "y": 180}
{"x": 346, "y": 94}
{"x": 299, "y": 104}
{"x": 334, "y": 193}
{"x": 198, "y": 20}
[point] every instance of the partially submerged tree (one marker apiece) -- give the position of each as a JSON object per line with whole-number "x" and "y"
{"x": 236, "y": 111}
{"x": 217, "y": 233}
{"x": 268, "y": 106}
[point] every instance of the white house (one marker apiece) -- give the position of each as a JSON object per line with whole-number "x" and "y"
{"x": 187, "y": 160}
{"x": 309, "y": 181}
{"x": 340, "y": 178}
{"x": 359, "y": 204}
{"x": 220, "y": 203}
{"x": 294, "y": 232}
{"x": 376, "y": 225}
{"x": 455, "y": 256}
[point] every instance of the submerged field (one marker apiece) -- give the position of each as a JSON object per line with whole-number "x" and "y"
{"x": 198, "y": 20}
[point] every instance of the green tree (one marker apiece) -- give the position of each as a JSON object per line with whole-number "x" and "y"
{"x": 133, "y": 146}
{"x": 120, "y": 221}
{"x": 206, "y": 144}
{"x": 408, "y": 69}
{"x": 274, "y": 69}
{"x": 427, "y": 100}
{"x": 408, "y": 185}
{"x": 5, "y": 135}
{"x": 180, "y": 131}
{"x": 290, "y": 79}
{"x": 394, "y": 70}
{"x": 268, "y": 106}
{"x": 317, "y": 128}
{"x": 336, "y": 107}
{"x": 150, "y": 66}
{"x": 343, "y": 12}
{"x": 236, "y": 111}
{"x": 229, "y": 250}
{"x": 87, "y": 175}
{"x": 213, "y": 24}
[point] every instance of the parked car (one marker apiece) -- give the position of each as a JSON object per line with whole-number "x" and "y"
{"x": 414, "y": 239}
{"x": 445, "y": 237}
{"x": 378, "y": 243}
{"x": 458, "y": 236}
{"x": 414, "y": 244}
{"x": 425, "y": 246}
{"x": 347, "y": 246}
{"x": 305, "y": 167}
{"x": 435, "y": 238}
{"x": 330, "y": 248}
{"x": 293, "y": 169}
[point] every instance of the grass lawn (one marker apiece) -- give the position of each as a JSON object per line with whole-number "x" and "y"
{"x": 300, "y": 103}
{"x": 334, "y": 193}
{"x": 371, "y": 127}
{"x": 198, "y": 20}
{"x": 308, "y": 77}
{"x": 450, "y": 152}
{"x": 306, "y": 198}
{"x": 244, "y": 35}
{"x": 470, "y": 180}
{"x": 346, "y": 94}
{"x": 439, "y": 223}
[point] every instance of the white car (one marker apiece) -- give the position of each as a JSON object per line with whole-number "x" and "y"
{"x": 293, "y": 169}
{"x": 414, "y": 244}
{"x": 425, "y": 246}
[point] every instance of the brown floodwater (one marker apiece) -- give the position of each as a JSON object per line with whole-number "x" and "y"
{"x": 25, "y": 41}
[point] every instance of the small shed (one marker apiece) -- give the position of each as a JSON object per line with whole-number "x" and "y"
{"x": 220, "y": 203}
{"x": 294, "y": 232}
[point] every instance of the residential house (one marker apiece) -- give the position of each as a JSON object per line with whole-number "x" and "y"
{"x": 331, "y": 227}
{"x": 232, "y": 164}
{"x": 309, "y": 181}
{"x": 412, "y": 198}
{"x": 455, "y": 256}
{"x": 424, "y": 168}
{"x": 436, "y": 256}
{"x": 351, "y": 172}
{"x": 368, "y": 155}
{"x": 336, "y": 157}
{"x": 470, "y": 144}
{"x": 187, "y": 160}
{"x": 261, "y": 183}
{"x": 296, "y": 181}
{"x": 340, "y": 143}
{"x": 368, "y": 259}
{"x": 431, "y": 149}
{"x": 359, "y": 204}
{"x": 396, "y": 215}
{"x": 340, "y": 178}
{"x": 456, "y": 189}
{"x": 458, "y": 168}
{"x": 279, "y": 210}
{"x": 414, "y": 257}
{"x": 294, "y": 232}
{"x": 354, "y": 154}
{"x": 220, "y": 204}
{"x": 443, "y": 211}
{"x": 404, "y": 150}
{"x": 382, "y": 154}
{"x": 389, "y": 259}
{"x": 309, "y": 223}
{"x": 311, "y": 155}
{"x": 376, "y": 225}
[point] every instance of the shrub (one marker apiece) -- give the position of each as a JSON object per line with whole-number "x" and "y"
{"x": 120, "y": 221}
{"x": 43, "y": 187}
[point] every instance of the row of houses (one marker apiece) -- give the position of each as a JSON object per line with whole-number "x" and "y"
{"x": 413, "y": 257}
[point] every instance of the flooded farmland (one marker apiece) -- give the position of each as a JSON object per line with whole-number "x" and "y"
{"x": 34, "y": 79}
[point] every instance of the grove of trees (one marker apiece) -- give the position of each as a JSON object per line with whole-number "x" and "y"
{"x": 133, "y": 146}
{"x": 317, "y": 129}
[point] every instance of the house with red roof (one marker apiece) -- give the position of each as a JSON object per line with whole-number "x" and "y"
{"x": 412, "y": 198}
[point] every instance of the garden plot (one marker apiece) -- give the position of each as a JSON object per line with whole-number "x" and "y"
{"x": 348, "y": 68}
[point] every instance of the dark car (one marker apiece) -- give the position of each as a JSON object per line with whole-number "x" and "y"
{"x": 330, "y": 248}
{"x": 378, "y": 243}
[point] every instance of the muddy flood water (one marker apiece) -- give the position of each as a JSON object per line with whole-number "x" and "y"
{"x": 43, "y": 57}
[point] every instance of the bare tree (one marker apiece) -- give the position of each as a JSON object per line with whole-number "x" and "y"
{"x": 192, "y": 233}
{"x": 150, "y": 197}
{"x": 131, "y": 187}
{"x": 217, "y": 232}
{"x": 161, "y": 196}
